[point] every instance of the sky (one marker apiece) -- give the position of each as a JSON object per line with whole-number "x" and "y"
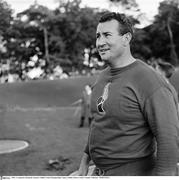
{"x": 147, "y": 6}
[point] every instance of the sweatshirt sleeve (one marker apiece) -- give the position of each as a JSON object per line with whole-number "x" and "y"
{"x": 162, "y": 116}
{"x": 86, "y": 150}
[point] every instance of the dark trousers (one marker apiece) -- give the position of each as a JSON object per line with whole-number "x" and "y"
{"x": 143, "y": 167}
{"x": 82, "y": 120}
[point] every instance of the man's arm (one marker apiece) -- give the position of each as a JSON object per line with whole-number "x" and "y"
{"x": 84, "y": 165}
{"x": 161, "y": 112}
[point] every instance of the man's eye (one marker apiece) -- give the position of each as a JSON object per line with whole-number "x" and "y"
{"x": 107, "y": 35}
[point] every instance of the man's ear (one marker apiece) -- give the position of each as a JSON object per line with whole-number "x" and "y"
{"x": 127, "y": 38}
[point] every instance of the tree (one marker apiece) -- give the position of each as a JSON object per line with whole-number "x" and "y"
{"x": 39, "y": 16}
{"x": 164, "y": 32}
{"x": 23, "y": 41}
{"x": 127, "y": 3}
{"x": 58, "y": 36}
{"x": 5, "y": 16}
{"x": 77, "y": 28}
{"x": 140, "y": 45}
{"x": 5, "y": 23}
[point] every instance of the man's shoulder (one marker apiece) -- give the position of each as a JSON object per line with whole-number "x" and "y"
{"x": 147, "y": 79}
{"x": 144, "y": 72}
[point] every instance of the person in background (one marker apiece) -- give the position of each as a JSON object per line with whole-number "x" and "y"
{"x": 165, "y": 69}
{"x": 85, "y": 106}
{"x": 135, "y": 125}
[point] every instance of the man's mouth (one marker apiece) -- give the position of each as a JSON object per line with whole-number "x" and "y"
{"x": 103, "y": 50}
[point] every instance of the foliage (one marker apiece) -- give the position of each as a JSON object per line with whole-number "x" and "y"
{"x": 5, "y": 22}
{"x": 164, "y": 33}
{"x": 24, "y": 40}
{"x": 69, "y": 30}
{"x": 140, "y": 45}
{"x": 76, "y": 27}
{"x": 5, "y": 16}
{"x": 127, "y": 3}
{"x": 60, "y": 36}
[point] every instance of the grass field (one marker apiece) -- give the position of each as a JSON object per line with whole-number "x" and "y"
{"x": 43, "y": 93}
{"x": 39, "y": 113}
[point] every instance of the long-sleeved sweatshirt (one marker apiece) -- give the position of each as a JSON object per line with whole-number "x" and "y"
{"x": 135, "y": 114}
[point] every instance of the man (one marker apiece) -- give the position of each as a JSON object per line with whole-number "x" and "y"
{"x": 134, "y": 131}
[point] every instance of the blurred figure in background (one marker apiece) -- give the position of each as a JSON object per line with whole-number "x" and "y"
{"x": 86, "y": 106}
{"x": 165, "y": 69}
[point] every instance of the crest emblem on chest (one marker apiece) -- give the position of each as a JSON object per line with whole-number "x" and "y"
{"x": 102, "y": 99}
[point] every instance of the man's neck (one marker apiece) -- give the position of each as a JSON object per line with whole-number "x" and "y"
{"x": 123, "y": 61}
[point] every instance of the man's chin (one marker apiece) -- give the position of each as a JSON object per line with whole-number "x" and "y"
{"x": 104, "y": 58}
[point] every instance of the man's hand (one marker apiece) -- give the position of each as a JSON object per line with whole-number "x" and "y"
{"x": 84, "y": 165}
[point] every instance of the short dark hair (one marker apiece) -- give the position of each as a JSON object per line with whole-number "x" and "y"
{"x": 124, "y": 21}
{"x": 167, "y": 68}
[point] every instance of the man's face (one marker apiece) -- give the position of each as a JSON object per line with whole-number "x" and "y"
{"x": 109, "y": 42}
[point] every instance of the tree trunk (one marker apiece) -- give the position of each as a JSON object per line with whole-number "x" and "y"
{"x": 173, "y": 54}
{"x": 46, "y": 48}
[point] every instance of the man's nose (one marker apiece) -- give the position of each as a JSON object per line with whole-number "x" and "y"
{"x": 100, "y": 42}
